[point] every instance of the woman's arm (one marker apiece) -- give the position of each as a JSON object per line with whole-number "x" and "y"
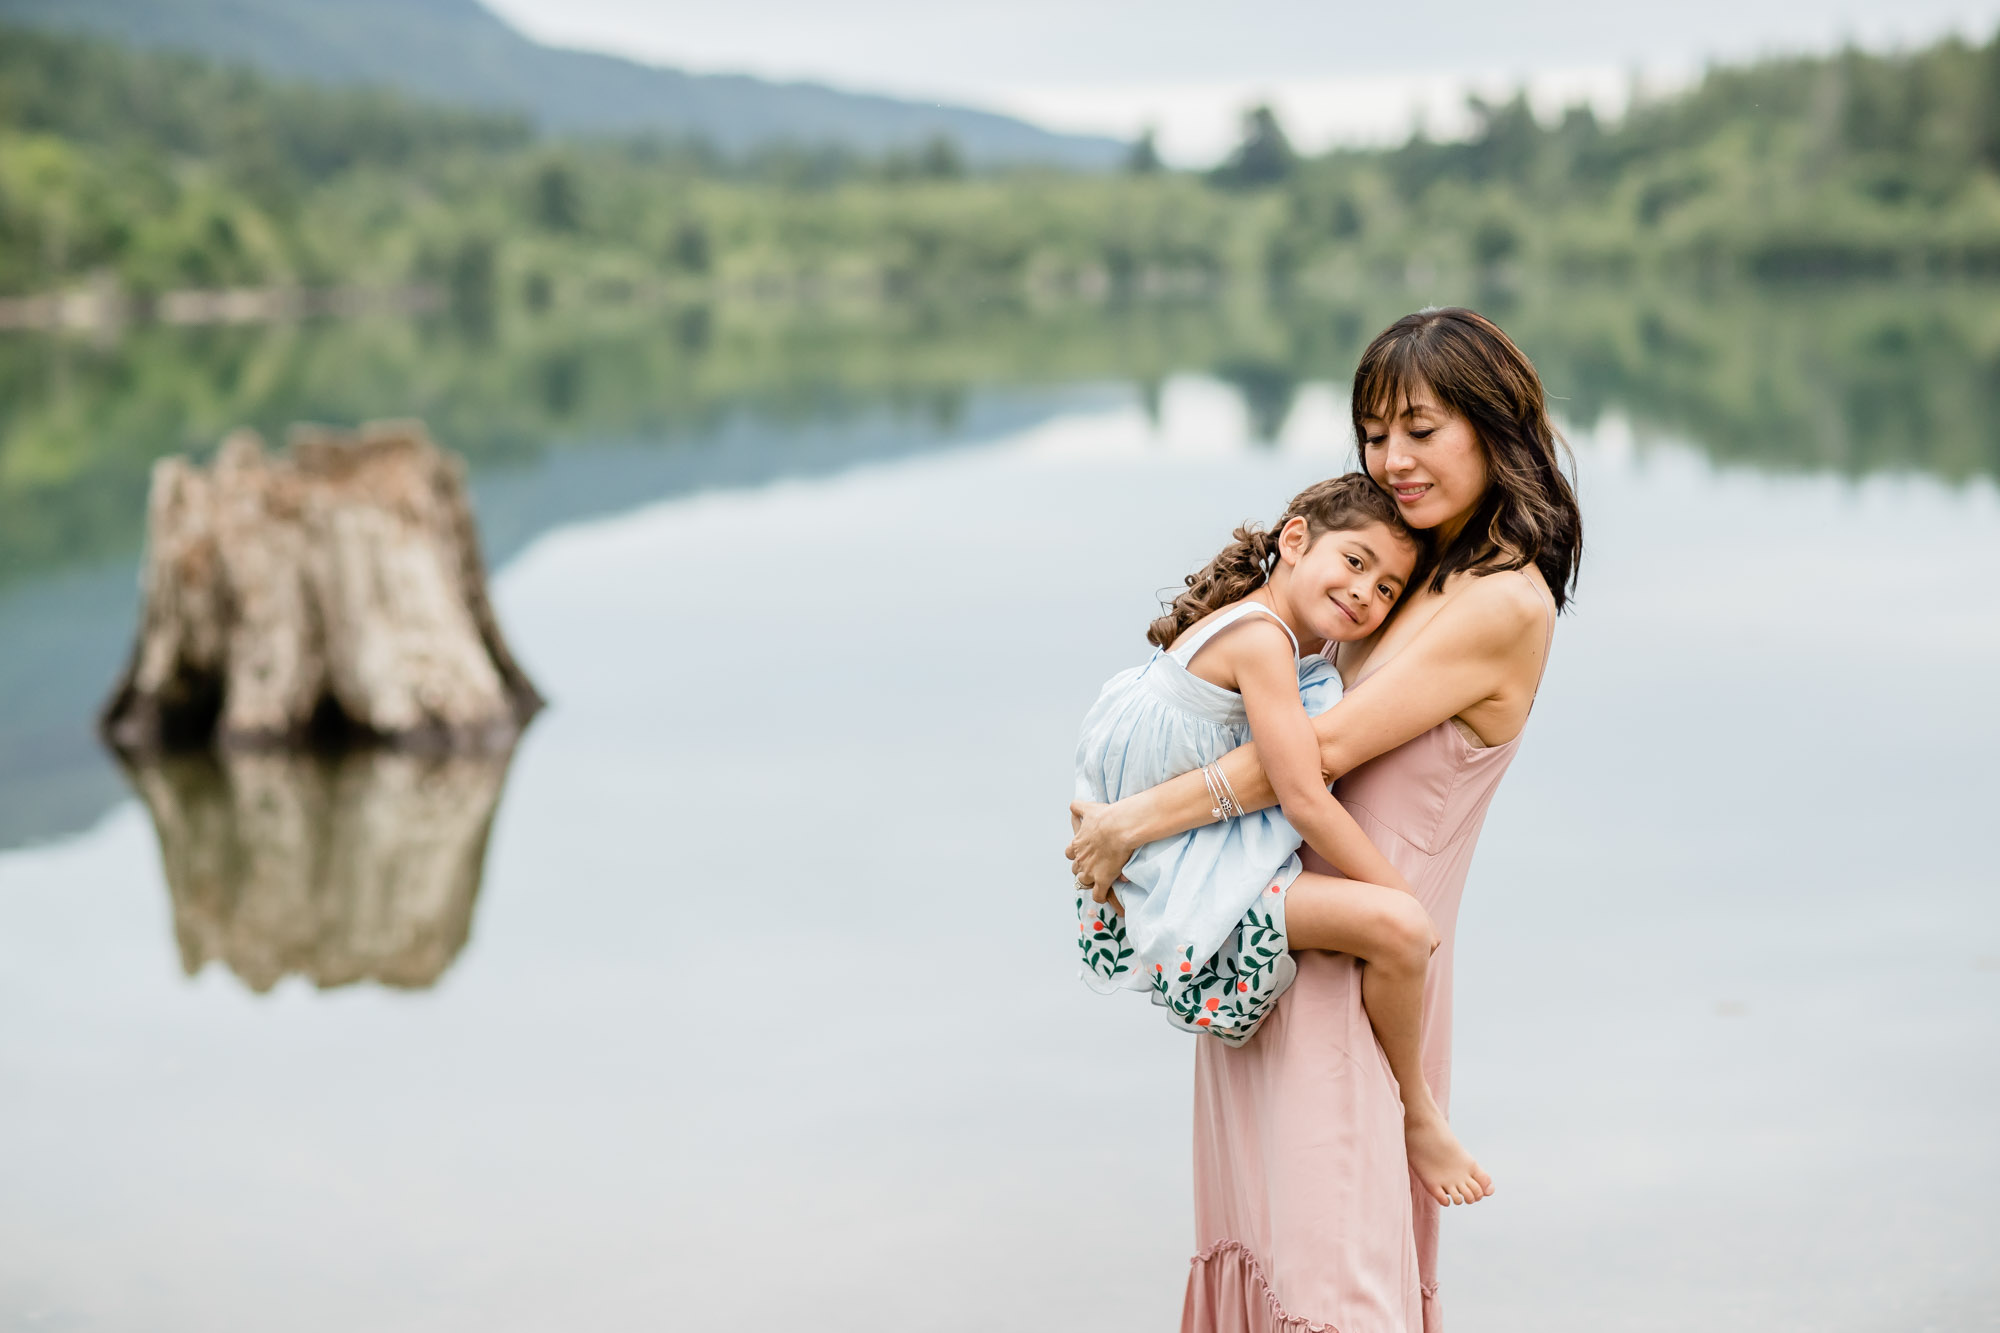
{"x": 1459, "y": 660}
{"x": 1288, "y": 750}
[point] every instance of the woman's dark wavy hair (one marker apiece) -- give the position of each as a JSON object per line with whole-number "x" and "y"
{"x": 1529, "y": 513}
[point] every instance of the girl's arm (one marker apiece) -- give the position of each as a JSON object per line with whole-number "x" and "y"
{"x": 1459, "y": 660}
{"x": 1268, "y": 679}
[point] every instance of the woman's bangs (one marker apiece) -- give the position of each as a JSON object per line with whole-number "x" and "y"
{"x": 1384, "y": 384}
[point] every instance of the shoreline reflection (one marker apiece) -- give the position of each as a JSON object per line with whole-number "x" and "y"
{"x": 360, "y": 866}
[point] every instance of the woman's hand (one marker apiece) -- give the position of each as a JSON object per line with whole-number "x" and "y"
{"x": 1100, "y": 847}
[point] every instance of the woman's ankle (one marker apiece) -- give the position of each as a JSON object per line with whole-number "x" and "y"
{"x": 1419, "y": 1111}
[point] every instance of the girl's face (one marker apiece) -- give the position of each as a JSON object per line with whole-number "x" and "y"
{"x": 1339, "y": 586}
{"x": 1429, "y": 458}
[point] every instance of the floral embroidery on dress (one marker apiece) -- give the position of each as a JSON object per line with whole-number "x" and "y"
{"x": 1101, "y": 936}
{"x": 1226, "y": 995}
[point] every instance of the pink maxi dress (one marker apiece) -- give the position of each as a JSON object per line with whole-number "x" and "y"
{"x": 1306, "y": 1215}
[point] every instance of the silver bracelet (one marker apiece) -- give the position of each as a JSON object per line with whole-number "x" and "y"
{"x": 1235, "y": 806}
{"x": 1214, "y": 794}
{"x": 1222, "y": 799}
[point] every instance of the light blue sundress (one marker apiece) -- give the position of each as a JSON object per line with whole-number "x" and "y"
{"x": 1204, "y": 922}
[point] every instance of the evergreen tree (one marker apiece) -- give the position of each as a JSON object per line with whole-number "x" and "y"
{"x": 1265, "y": 155}
{"x": 939, "y": 159}
{"x": 1144, "y": 159}
{"x": 1987, "y": 128}
{"x": 558, "y": 202}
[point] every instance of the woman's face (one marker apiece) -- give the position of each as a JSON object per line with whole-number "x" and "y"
{"x": 1429, "y": 458}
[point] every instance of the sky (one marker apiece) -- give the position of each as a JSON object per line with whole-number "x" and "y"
{"x": 1337, "y": 72}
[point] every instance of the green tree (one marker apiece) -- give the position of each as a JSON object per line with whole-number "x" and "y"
{"x": 1264, "y": 157}
{"x": 1986, "y": 128}
{"x": 1144, "y": 159}
{"x": 558, "y": 200}
{"x": 1494, "y": 241}
{"x": 470, "y": 281}
{"x": 939, "y": 159}
{"x": 689, "y": 250}
{"x": 1344, "y": 221}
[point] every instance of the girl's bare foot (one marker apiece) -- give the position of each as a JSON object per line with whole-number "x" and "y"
{"x": 1441, "y": 1162}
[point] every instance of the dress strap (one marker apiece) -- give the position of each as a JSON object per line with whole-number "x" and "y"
{"x": 1184, "y": 650}
{"x": 1549, "y": 641}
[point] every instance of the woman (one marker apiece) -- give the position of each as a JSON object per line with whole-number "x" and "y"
{"x": 1305, "y": 1211}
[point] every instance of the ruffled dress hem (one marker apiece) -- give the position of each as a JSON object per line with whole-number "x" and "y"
{"x": 1227, "y": 1293}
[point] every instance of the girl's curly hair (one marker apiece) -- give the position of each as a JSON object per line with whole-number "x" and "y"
{"x": 1340, "y": 504}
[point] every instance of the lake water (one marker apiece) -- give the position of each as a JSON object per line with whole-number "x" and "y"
{"x": 744, "y": 996}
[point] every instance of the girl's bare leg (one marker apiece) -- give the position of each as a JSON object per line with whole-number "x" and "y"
{"x": 1390, "y": 931}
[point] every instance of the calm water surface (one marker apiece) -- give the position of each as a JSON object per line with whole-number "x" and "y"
{"x": 754, "y": 1006}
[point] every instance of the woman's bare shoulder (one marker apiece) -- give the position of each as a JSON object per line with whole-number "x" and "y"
{"x": 1485, "y": 618}
{"x": 1497, "y": 611}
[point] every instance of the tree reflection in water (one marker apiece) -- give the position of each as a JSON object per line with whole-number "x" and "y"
{"x": 361, "y": 866}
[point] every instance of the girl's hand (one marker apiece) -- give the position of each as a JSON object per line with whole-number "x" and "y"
{"x": 1100, "y": 848}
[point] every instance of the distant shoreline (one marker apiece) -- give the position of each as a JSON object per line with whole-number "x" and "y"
{"x": 106, "y": 307}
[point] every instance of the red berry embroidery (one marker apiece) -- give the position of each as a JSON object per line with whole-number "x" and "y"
{"x": 1187, "y": 967}
{"x": 1158, "y": 968}
{"x": 1242, "y": 985}
{"x": 1274, "y": 888}
{"x": 1201, "y": 1022}
{"x": 1213, "y": 1004}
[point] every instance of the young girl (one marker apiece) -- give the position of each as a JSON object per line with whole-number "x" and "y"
{"x": 1206, "y": 920}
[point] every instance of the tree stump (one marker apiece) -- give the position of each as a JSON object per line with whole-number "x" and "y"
{"x": 335, "y": 593}
{"x": 362, "y": 866}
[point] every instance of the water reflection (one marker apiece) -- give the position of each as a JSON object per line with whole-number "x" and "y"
{"x": 1855, "y": 380}
{"x": 358, "y": 867}
{"x": 720, "y": 1032}
{"x": 564, "y": 418}
{"x": 65, "y": 633}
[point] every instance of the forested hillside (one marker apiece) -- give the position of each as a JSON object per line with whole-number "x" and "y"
{"x": 1845, "y": 165}
{"x": 152, "y": 172}
{"x": 163, "y": 171}
{"x": 458, "y": 52}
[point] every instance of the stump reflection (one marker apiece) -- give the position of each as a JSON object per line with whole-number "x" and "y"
{"x": 358, "y": 866}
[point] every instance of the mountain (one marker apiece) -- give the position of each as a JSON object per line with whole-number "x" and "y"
{"x": 459, "y": 52}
